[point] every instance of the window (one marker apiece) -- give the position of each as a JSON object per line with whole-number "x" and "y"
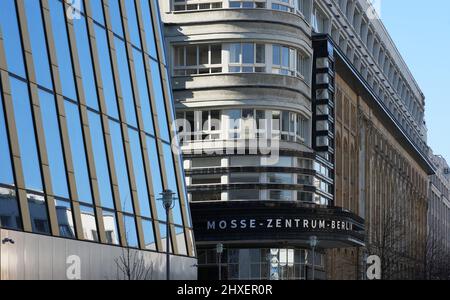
{"x": 320, "y": 22}
{"x": 116, "y": 19}
{"x": 9, "y": 210}
{"x": 164, "y": 234}
{"x": 244, "y": 178}
{"x": 172, "y": 182}
{"x": 280, "y": 178}
{"x": 283, "y": 5}
{"x": 25, "y": 131}
{"x": 132, "y": 23}
{"x": 182, "y": 5}
{"x": 89, "y": 223}
{"x": 110, "y": 224}
{"x": 181, "y": 241}
{"x": 247, "y": 57}
{"x": 78, "y": 152}
{"x": 147, "y": 117}
{"x": 100, "y": 160}
{"x": 125, "y": 82}
{"x": 6, "y": 175}
{"x": 159, "y": 101}
{"x": 197, "y": 59}
{"x": 11, "y": 37}
{"x": 121, "y": 167}
{"x": 206, "y": 179}
{"x": 84, "y": 54}
{"x": 62, "y": 49}
{"x": 38, "y": 46}
{"x": 153, "y": 156}
{"x": 106, "y": 72}
{"x": 38, "y": 214}
{"x": 139, "y": 172}
{"x": 97, "y": 11}
{"x": 205, "y": 196}
{"x": 283, "y": 61}
{"x": 206, "y": 162}
{"x": 53, "y": 143}
{"x": 148, "y": 28}
{"x": 248, "y": 4}
{"x": 243, "y": 195}
{"x": 65, "y": 219}
{"x": 149, "y": 235}
{"x": 281, "y": 195}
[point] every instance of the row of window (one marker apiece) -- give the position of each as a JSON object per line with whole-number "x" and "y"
{"x": 300, "y": 7}
{"x": 241, "y": 58}
{"x": 263, "y": 264}
{"x": 247, "y": 123}
{"x": 260, "y": 195}
{"x": 368, "y": 36}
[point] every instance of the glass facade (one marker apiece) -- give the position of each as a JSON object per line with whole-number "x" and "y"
{"x": 87, "y": 115}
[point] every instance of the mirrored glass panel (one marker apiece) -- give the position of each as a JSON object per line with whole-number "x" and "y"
{"x": 53, "y": 143}
{"x": 9, "y": 210}
{"x": 38, "y": 44}
{"x": 38, "y": 214}
{"x": 11, "y": 37}
{"x": 130, "y": 231}
{"x": 149, "y": 235}
{"x": 78, "y": 152}
{"x": 89, "y": 223}
{"x": 6, "y": 174}
{"x": 25, "y": 132}
{"x": 111, "y": 232}
{"x": 65, "y": 219}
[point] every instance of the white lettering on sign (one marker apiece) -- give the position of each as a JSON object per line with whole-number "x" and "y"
{"x": 311, "y": 224}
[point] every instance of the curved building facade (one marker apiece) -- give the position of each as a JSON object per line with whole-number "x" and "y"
{"x": 85, "y": 114}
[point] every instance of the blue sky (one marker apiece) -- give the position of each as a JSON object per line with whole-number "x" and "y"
{"x": 421, "y": 30}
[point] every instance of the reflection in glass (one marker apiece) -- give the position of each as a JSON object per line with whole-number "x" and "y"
{"x": 146, "y": 110}
{"x": 62, "y": 48}
{"x": 87, "y": 71}
{"x": 53, "y": 143}
{"x": 78, "y": 152}
{"x": 148, "y": 28}
{"x": 138, "y": 166}
{"x": 106, "y": 71}
{"x": 109, "y": 221}
{"x": 149, "y": 236}
{"x": 125, "y": 83}
{"x": 156, "y": 176}
{"x": 163, "y": 232}
{"x": 159, "y": 101}
{"x": 100, "y": 160}
{"x": 181, "y": 241}
{"x": 38, "y": 214}
{"x": 97, "y": 11}
{"x": 89, "y": 223}
{"x": 9, "y": 210}
{"x": 130, "y": 231}
{"x": 65, "y": 219}
{"x": 172, "y": 183}
{"x": 116, "y": 19}
{"x": 25, "y": 132}
{"x": 11, "y": 38}
{"x": 121, "y": 167}
{"x": 132, "y": 23}
{"x": 6, "y": 175}
{"x": 38, "y": 46}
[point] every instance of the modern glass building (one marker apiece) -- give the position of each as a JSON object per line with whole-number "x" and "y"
{"x": 85, "y": 141}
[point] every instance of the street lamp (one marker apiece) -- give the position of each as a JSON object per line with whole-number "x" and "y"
{"x": 219, "y": 250}
{"x": 169, "y": 203}
{"x": 313, "y": 241}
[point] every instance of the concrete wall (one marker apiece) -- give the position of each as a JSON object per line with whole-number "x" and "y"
{"x": 37, "y": 257}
